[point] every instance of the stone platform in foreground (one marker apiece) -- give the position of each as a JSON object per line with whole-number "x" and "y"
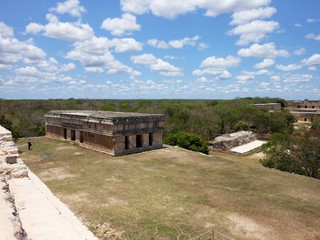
{"x": 28, "y": 209}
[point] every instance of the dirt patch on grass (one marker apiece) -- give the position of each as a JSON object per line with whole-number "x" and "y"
{"x": 55, "y": 174}
{"x": 64, "y": 148}
{"x": 76, "y": 197}
{"x": 248, "y": 228}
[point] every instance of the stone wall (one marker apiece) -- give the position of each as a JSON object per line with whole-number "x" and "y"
{"x": 11, "y": 166}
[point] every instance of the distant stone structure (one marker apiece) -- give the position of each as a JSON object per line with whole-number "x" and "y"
{"x": 304, "y": 111}
{"x": 230, "y": 140}
{"x": 271, "y": 107}
{"x": 115, "y": 133}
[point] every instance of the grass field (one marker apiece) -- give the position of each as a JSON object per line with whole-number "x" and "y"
{"x": 172, "y": 193}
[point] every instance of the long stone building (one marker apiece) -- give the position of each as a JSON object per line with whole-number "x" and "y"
{"x": 304, "y": 111}
{"x": 116, "y": 133}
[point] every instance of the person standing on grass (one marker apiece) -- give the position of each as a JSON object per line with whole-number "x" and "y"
{"x": 29, "y": 144}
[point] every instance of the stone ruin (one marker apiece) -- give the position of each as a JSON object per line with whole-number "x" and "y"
{"x": 232, "y": 140}
{"x": 11, "y": 166}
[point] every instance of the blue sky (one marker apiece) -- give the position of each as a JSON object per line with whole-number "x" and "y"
{"x": 150, "y": 49}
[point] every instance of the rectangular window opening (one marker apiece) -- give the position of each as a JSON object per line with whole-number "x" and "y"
{"x": 73, "y": 135}
{"x": 126, "y": 142}
{"x": 81, "y": 136}
{"x": 150, "y": 139}
{"x": 138, "y": 141}
{"x": 65, "y": 133}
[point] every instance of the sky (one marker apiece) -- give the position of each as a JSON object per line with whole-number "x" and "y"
{"x": 159, "y": 49}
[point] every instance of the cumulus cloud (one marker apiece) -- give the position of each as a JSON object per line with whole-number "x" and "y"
{"x": 299, "y": 51}
{"x": 71, "y": 7}
{"x": 253, "y": 31}
{"x": 290, "y": 67}
{"x": 313, "y": 36}
{"x": 157, "y": 64}
{"x": 217, "y": 67}
{"x": 245, "y": 16}
{"x": 267, "y": 50}
{"x": 265, "y": 63}
{"x": 313, "y": 60}
{"x": 68, "y": 31}
{"x": 121, "y": 26}
{"x": 297, "y": 78}
{"x": 13, "y": 50}
{"x": 172, "y": 8}
{"x": 179, "y": 43}
{"x": 95, "y": 56}
{"x": 125, "y": 44}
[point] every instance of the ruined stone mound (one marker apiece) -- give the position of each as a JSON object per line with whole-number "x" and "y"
{"x": 229, "y": 141}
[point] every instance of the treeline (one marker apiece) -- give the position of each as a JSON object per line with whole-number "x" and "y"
{"x": 205, "y": 118}
{"x": 191, "y": 124}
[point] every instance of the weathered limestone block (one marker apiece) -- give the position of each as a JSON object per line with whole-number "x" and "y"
{"x": 228, "y": 141}
{"x": 11, "y": 226}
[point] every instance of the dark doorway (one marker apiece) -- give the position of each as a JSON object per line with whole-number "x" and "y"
{"x": 126, "y": 142}
{"x": 81, "y": 136}
{"x": 139, "y": 141}
{"x": 65, "y": 133}
{"x": 73, "y": 135}
{"x": 150, "y": 139}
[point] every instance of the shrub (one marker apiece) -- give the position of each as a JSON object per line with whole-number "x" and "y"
{"x": 242, "y": 125}
{"x": 187, "y": 140}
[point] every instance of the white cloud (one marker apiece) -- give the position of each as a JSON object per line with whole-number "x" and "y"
{"x": 249, "y": 15}
{"x": 265, "y": 63}
{"x": 172, "y": 8}
{"x": 74, "y": 31}
{"x": 126, "y": 44}
{"x": 253, "y": 31}
{"x": 297, "y": 78}
{"x": 243, "y": 79}
{"x": 157, "y": 64}
{"x": 299, "y": 51}
{"x": 217, "y": 67}
{"x": 121, "y": 26}
{"x": 220, "y": 63}
{"x": 313, "y": 60}
{"x": 71, "y": 7}
{"x": 179, "y": 43}
{"x": 290, "y": 67}
{"x": 313, "y": 36}
{"x": 13, "y": 50}
{"x": 34, "y": 28}
{"x": 275, "y": 79}
{"x": 298, "y": 25}
{"x": 264, "y": 85}
{"x": 312, "y": 68}
{"x": 95, "y": 56}
{"x": 267, "y": 50}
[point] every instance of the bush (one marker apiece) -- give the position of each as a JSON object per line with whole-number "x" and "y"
{"x": 187, "y": 140}
{"x": 242, "y": 125}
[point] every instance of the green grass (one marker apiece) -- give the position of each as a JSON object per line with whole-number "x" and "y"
{"x": 176, "y": 194}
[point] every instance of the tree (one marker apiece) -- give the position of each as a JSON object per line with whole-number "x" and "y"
{"x": 189, "y": 141}
{"x": 298, "y": 152}
{"x": 8, "y": 125}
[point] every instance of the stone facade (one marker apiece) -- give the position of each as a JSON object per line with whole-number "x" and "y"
{"x": 271, "y": 107}
{"x": 304, "y": 111}
{"x": 115, "y": 133}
